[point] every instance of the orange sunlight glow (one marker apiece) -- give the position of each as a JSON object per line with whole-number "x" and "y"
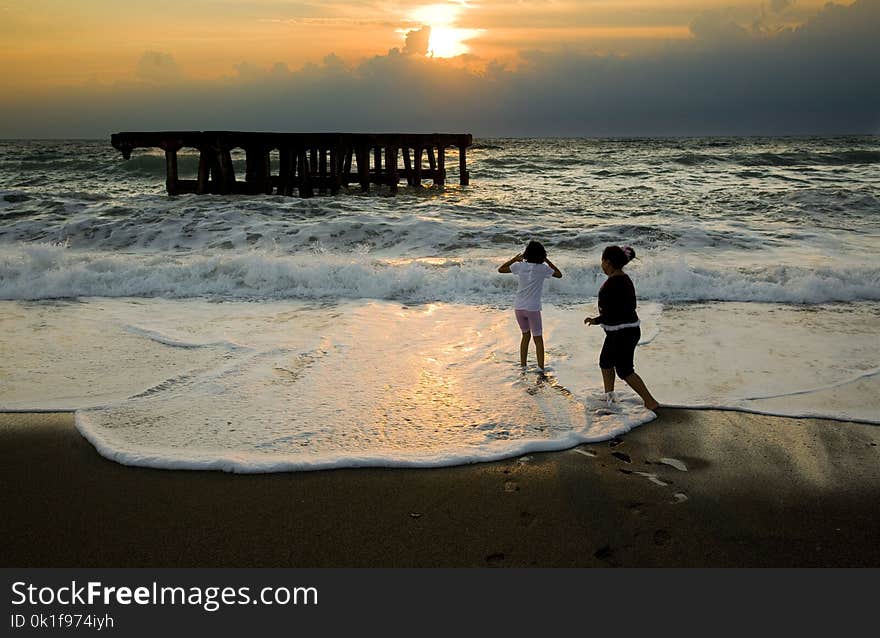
{"x": 446, "y": 40}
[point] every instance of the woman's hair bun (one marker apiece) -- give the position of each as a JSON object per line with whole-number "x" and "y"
{"x": 619, "y": 256}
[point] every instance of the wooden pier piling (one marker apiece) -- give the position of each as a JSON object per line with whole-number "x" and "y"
{"x": 440, "y": 177}
{"x": 171, "y": 171}
{"x": 306, "y": 161}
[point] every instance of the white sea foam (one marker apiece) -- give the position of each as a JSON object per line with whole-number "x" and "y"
{"x": 386, "y": 386}
{"x": 46, "y": 272}
{"x": 261, "y": 387}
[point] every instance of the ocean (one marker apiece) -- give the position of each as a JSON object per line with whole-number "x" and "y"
{"x": 269, "y": 333}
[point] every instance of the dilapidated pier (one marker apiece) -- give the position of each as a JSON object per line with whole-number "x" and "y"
{"x": 308, "y": 163}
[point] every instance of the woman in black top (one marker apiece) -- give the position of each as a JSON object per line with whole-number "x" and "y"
{"x": 617, "y": 315}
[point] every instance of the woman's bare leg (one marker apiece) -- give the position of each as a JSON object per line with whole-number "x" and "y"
{"x": 608, "y": 379}
{"x": 539, "y": 350}
{"x": 635, "y": 382}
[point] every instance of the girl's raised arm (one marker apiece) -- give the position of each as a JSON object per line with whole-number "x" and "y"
{"x": 505, "y": 267}
{"x": 556, "y": 272}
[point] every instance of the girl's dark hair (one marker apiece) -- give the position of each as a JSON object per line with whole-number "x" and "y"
{"x": 619, "y": 257}
{"x": 535, "y": 253}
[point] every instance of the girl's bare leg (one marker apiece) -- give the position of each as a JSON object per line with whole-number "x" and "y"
{"x": 524, "y": 348}
{"x": 635, "y": 382}
{"x": 608, "y": 379}
{"x": 539, "y": 350}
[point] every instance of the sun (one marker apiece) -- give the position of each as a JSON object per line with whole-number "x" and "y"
{"x": 446, "y": 40}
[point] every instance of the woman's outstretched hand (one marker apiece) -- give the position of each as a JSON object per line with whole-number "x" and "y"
{"x": 591, "y": 321}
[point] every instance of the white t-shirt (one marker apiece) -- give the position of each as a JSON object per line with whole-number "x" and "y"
{"x": 531, "y": 284}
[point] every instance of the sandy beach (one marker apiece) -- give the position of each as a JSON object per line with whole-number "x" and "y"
{"x": 757, "y": 491}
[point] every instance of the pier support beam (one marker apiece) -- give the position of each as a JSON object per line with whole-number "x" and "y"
{"x": 407, "y": 166}
{"x": 206, "y": 160}
{"x": 226, "y": 172}
{"x": 377, "y": 163}
{"x": 335, "y": 178}
{"x": 391, "y": 167}
{"x": 464, "y": 177}
{"x": 258, "y": 174}
{"x": 171, "y": 184}
{"x": 286, "y": 167}
{"x": 363, "y": 160}
{"x": 440, "y": 175}
{"x": 322, "y": 171}
{"x": 417, "y": 166}
{"x": 304, "y": 170}
{"x": 346, "y": 168}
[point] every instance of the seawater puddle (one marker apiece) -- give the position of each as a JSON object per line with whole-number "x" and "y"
{"x": 271, "y": 386}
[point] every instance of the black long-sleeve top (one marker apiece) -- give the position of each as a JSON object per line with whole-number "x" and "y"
{"x": 617, "y": 302}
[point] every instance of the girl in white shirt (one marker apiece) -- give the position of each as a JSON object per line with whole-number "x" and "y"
{"x": 532, "y": 267}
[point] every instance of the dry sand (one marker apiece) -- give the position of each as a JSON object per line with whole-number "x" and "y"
{"x": 758, "y": 491}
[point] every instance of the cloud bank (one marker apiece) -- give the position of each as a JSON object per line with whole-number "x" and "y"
{"x": 730, "y": 79}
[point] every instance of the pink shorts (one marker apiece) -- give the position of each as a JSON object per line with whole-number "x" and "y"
{"x": 529, "y": 321}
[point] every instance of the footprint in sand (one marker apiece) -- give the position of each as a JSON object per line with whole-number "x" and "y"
{"x": 678, "y": 465}
{"x": 511, "y": 486}
{"x": 677, "y": 497}
{"x": 652, "y": 477}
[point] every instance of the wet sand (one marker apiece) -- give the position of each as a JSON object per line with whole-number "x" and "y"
{"x": 757, "y": 491}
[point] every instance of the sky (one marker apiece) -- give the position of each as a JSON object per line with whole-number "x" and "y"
{"x": 87, "y": 68}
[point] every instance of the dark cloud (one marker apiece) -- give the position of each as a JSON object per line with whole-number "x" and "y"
{"x": 248, "y": 72}
{"x": 821, "y": 78}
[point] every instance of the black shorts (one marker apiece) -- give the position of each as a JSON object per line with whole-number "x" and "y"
{"x": 619, "y": 349}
